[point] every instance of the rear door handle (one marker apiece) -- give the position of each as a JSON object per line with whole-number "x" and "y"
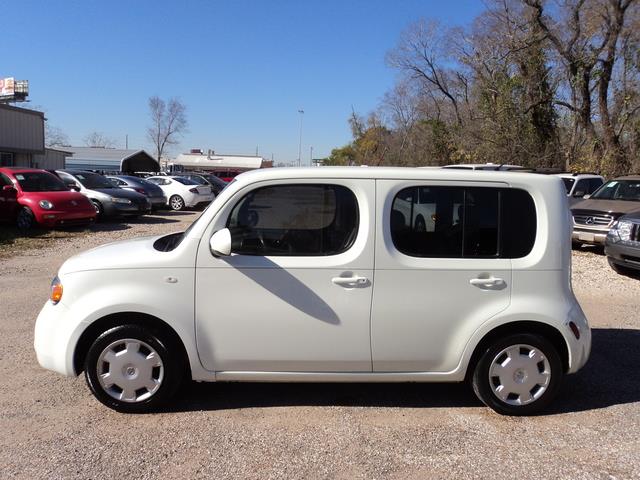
{"x": 486, "y": 282}
{"x": 354, "y": 281}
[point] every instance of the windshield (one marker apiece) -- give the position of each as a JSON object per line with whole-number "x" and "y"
{"x": 93, "y": 181}
{"x": 568, "y": 183}
{"x": 185, "y": 181}
{"x": 40, "y": 182}
{"x": 628, "y": 190}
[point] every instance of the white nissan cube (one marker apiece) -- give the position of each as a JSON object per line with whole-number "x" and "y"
{"x": 333, "y": 274}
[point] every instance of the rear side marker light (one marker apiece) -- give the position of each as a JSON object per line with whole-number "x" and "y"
{"x": 576, "y": 331}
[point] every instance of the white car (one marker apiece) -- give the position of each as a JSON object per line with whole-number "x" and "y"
{"x": 182, "y": 192}
{"x": 320, "y": 275}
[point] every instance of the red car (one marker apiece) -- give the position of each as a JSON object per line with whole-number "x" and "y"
{"x": 29, "y": 196}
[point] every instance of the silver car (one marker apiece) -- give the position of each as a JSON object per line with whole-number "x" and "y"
{"x": 108, "y": 200}
{"x": 136, "y": 184}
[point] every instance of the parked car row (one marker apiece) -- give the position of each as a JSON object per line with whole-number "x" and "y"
{"x": 56, "y": 198}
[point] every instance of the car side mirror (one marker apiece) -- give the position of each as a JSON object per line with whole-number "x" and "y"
{"x": 220, "y": 243}
{"x": 73, "y": 186}
{"x": 579, "y": 193}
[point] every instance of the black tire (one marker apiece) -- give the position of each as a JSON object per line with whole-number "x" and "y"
{"x": 541, "y": 395}
{"x": 129, "y": 372}
{"x": 176, "y": 203}
{"x": 99, "y": 210}
{"x": 25, "y": 220}
{"x": 576, "y": 245}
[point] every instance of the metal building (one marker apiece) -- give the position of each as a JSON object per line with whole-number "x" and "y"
{"x": 21, "y": 136}
{"x": 110, "y": 160}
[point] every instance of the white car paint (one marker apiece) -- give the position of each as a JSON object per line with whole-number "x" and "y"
{"x": 288, "y": 318}
{"x": 170, "y": 186}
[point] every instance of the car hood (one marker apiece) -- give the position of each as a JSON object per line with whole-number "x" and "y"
{"x": 126, "y": 254}
{"x": 56, "y": 198}
{"x": 606, "y": 206}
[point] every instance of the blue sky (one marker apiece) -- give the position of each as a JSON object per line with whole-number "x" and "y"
{"x": 243, "y": 68}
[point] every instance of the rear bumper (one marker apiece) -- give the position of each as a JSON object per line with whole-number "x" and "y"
{"x": 198, "y": 199}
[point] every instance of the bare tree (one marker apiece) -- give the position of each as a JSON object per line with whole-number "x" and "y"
{"x": 98, "y": 140}
{"x": 54, "y": 136}
{"x": 168, "y": 122}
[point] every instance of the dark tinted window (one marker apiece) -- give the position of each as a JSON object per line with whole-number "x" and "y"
{"x": 619, "y": 190}
{"x": 40, "y": 182}
{"x": 185, "y": 181}
{"x": 457, "y": 222}
{"x": 294, "y": 220}
{"x": 4, "y": 180}
{"x": 582, "y": 186}
{"x": 594, "y": 184}
{"x": 568, "y": 183}
{"x": 93, "y": 180}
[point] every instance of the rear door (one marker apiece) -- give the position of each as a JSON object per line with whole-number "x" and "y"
{"x": 438, "y": 272}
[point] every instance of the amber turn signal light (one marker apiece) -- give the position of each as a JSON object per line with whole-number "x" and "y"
{"x": 56, "y": 291}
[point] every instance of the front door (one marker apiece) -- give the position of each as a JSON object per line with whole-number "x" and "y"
{"x": 295, "y": 294}
{"x": 8, "y": 199}
{"x": 441, "y": 271}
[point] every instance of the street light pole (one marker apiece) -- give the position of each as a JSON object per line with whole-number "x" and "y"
{"x": 301, "y": 112}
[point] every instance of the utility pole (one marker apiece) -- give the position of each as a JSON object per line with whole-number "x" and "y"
{"x": 311, "y": 157}
{"x": 301, "y": 112}
{"x": 126, "y": 142}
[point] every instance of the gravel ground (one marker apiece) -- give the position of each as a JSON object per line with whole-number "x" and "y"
{"x": 53, "y": 428}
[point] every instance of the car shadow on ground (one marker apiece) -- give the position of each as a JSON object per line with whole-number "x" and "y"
{"x": 611, "y": 377}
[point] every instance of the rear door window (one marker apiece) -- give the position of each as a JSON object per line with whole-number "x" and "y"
{"x": 463, "y": 222}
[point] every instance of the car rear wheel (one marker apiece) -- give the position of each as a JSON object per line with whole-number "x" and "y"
{"x": 133, "y": 369}
{"x": 176, "y": 202}
{"x": 518, "y": 375}
{"x": 25, "y": 220}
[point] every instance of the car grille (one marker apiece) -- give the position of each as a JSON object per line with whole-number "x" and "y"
{"x": 593, "y": 220}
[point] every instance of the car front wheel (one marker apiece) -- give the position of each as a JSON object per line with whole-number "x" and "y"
{"x": 25, "y": 220}
{"x": 518, "y": 375}
{"x": 133, "y": 369}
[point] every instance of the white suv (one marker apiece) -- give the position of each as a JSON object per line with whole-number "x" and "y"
{"x": 580, "y": 184}
{"x": 323, "y": 275}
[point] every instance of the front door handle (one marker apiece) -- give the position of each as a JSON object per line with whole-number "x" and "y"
{"x": 354, "y": 281}
{"x": 487, "y": 282}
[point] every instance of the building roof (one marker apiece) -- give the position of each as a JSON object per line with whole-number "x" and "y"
{"x": 214, "y": 161}
{"x": 112, "y": 159}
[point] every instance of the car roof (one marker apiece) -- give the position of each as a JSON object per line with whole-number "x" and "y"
{"x": 75, "y": 172}
{"x": 578, "y": 175}
{"x": 22, "y": 169}
{"x": 628, "y": 177}
{"x": 392, "y": 173}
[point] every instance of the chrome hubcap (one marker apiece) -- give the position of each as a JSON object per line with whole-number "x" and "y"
{"x": 176, "y": 203}
{"x": 130, "y": 370}
{"x": 519, "y": 374}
